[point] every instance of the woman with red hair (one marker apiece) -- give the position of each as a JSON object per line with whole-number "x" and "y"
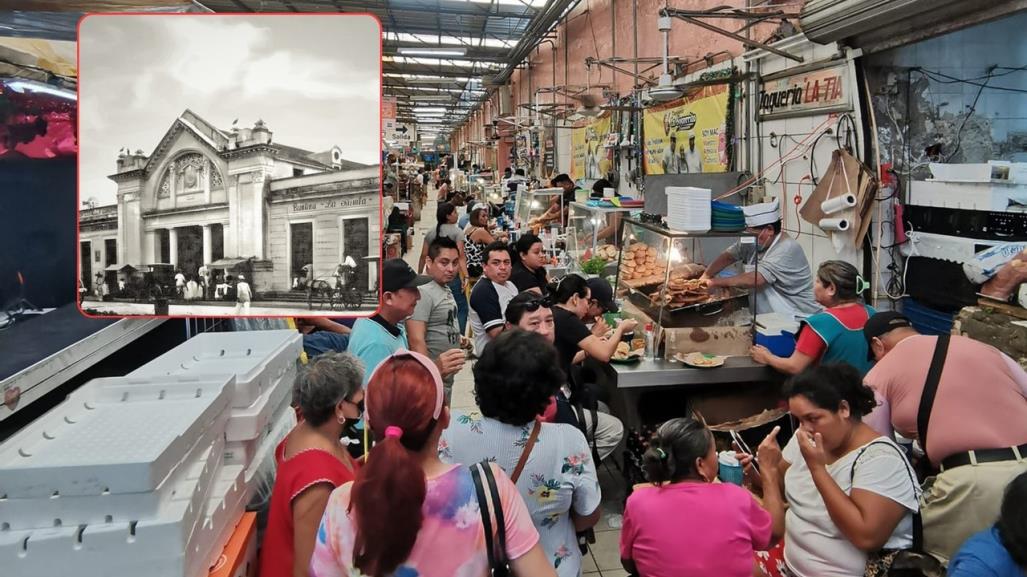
{"x": 408, "y": 514}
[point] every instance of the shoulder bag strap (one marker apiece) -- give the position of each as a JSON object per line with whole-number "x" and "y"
{"x": 918, "y": 521}
{"x": 483, "y": 506}
{"x": 497, "y": 506}
{"x": 526, "y": 451}
{"x": 923, "y": 416}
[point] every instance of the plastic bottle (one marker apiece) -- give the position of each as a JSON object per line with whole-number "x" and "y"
{"x": 650, "y": 342}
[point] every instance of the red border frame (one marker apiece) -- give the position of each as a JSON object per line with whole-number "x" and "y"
{"x": 78, "y": 161}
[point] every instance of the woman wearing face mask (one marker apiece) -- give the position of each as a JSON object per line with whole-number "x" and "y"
{"x": 834, "y": 335}
{"x": 851, "y": 493}
{"x": 311, "y": 461}
{"x": 721, "y": 523}
{"x": 529, "y": 272}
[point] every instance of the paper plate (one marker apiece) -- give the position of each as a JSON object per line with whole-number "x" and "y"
{"x": 701, "y": 360}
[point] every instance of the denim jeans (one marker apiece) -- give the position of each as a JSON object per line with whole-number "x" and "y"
{"x": 462, "y": 308}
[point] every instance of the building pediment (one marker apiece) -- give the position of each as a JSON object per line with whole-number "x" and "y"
{"x": 166, "y": 146}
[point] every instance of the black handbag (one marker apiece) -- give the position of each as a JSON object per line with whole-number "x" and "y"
{"x": 499, "y": 564}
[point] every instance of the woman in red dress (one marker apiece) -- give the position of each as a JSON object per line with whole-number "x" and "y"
{"x": 311, "y": 461}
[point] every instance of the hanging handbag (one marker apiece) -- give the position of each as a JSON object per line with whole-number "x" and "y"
{"x": 495, "y": 548}
{"x": 904, "y": 562}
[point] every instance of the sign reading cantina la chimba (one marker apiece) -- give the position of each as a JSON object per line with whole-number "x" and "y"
{"x": 825, "y": 89}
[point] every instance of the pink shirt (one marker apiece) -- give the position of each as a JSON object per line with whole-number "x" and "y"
{"x": 694, "y": 529}
{"x": 451, "y": 542}
{"x": 981, "y": 401}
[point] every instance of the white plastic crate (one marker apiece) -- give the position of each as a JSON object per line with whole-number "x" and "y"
{"x": 113, "y": 435}
{"x": 46, "y": 512}
{"x": 182, "y": 542}
{"x": 247, "y": 424}
{"x": 257, "y": 358}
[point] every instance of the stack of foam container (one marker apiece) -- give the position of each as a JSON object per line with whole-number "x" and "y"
{"x": 120, "y": 479}
{"x": 148, "y": 474}
{"x": 264, "y": 365}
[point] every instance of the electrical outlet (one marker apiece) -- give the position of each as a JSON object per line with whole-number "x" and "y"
{"x": 757, "y": 192}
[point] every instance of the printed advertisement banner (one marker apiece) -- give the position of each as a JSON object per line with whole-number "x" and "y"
{"x": 688, "y": 135}
{"x": 590, "y": 159}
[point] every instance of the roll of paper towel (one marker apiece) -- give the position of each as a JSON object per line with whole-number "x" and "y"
{"x": 833, "y": 205}
{"x": 834, "y": 224}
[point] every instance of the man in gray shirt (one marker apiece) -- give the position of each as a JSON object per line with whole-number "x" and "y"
{"x": 783, "y": 281}
{"x": 433, "y": 329}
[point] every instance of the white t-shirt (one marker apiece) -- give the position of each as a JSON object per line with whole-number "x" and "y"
{"x": 488, "y": 309}
{"x": 816, "y": 546}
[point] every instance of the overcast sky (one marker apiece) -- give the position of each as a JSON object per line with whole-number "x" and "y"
{"x": 314, "y": 80}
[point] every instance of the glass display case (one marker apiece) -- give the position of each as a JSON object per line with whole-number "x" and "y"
{"x": 533, "y": 204}
{"x": 658, "y": 280}
{"x": 592, "y": 231}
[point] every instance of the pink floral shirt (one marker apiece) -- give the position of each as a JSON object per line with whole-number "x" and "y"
{"x": 451, "y": 542}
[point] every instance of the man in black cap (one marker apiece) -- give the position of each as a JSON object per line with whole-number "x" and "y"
{"x": 600, "y": 303}
{"x": 974, "y": 425}
{"x": 375, "y": 338}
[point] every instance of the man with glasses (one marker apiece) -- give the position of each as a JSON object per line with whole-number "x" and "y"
{"x": 490, "y": 295}
{"x": 531, "y": 312}
{"x": 783, "y": 281}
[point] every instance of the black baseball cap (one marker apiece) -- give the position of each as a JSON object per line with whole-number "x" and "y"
{"x": 881, "y": 324}
{"x": 397, "y": 274}
{"x": 602, "y": 292}
{"x": 563, "y": 177}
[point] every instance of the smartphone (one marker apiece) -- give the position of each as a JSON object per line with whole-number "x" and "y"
{"x": 744, "y": 447}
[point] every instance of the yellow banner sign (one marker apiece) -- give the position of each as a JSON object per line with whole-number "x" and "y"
{"x": 688, "y": 135}
{"x": 590, "y": 159}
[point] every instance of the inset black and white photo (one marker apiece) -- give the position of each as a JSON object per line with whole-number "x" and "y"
{"x": 229, "y": 164}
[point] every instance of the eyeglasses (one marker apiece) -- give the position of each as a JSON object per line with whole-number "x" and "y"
{"x": 534, "y": 304}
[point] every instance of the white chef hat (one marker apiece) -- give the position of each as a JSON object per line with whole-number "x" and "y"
{"x": 762, "y": 214}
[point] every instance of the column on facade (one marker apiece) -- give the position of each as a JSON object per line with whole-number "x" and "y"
{"x": 149, "y": 248}
{"x": 208, "y": 245}
{"x": 173, "y": 246}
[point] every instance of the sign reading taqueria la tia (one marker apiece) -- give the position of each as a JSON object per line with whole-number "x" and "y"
{"x": 810, "y": 92}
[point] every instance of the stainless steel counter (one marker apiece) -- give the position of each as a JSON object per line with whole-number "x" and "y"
{"x": 635, "y": 379}
{"x": 665, "y": 372}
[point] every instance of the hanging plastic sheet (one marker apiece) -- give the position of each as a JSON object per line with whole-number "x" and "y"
{"x": 58, "y": 19}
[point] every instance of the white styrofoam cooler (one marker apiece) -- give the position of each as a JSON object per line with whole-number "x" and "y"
{"x": 259, "y": 359}
{"x": 183, "y": 541}
{"x": 248, "y": 423}
{"x": 244, "y": 452}
{"x": 73, "y": 511}
{"x": 112, "y": 435}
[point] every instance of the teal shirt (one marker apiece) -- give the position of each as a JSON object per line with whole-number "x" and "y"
{"x": 843, "y": 344}
{"x": 372, "y": 343}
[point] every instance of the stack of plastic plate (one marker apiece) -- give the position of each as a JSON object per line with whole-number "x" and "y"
{"x": 689, "y": 209}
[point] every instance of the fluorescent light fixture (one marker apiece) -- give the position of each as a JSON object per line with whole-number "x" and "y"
{"x": 432, "y": 97}
{"x": 430, "y": 109}
{"x": 434, "y": 51}
{"x": 433, "y": 80}
{"x": 21, "y": 86}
